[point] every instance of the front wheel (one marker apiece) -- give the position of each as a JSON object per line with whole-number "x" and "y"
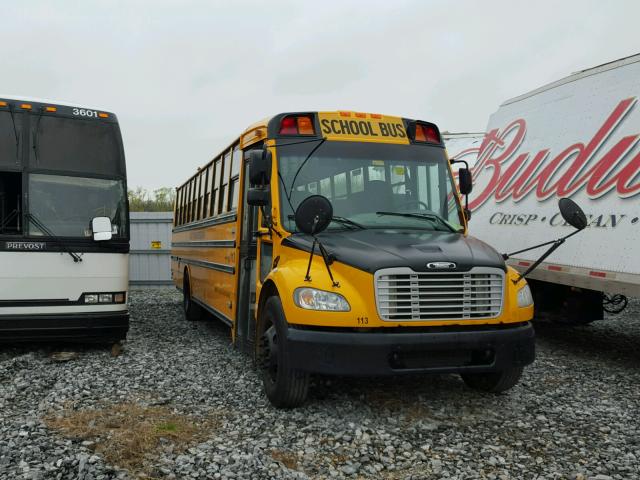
{"x": 494, "y": 382}
{"x": 285, "y": 386}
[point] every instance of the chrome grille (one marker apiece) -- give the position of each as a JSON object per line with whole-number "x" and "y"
{"x": 403, "y": 294}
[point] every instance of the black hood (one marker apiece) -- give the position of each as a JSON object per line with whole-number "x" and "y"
{"x": 373, "y": 249}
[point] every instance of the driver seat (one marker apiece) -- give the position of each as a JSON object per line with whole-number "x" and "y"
{"x": 378, "y": 196}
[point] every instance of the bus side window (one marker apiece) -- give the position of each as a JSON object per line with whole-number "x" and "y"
{"x": 194, "y": 196}
{"x": 325, "y": 187}
{"x": 176, "y": 209}
{"x": 199, "y": 194}
{"x": 188, "y": 201}
{"x": 203, "y": 187}
{"x": 181, "y": 212}
{"x": 207, "y": 193}
{"x": 214, "y": 187}
{"x": 226, "y": 169}
{"x": 357, "y": 180}
{"x": 398, "y": 179}
{"x": 196, "y": 199}
{"x": 340, "y": 185}
{"x": 235, "y": 178}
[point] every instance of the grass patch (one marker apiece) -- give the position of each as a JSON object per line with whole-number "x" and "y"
{"x": 132, "y": 436}
{"x": 288, "y": 459}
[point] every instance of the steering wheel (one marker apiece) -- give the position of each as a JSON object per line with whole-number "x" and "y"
{"x": 414, "y": 202}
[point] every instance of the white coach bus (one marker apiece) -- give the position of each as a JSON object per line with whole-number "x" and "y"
{"x": 64, "y": 223}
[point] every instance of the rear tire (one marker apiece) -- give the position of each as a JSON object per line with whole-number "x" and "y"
{"x": 494, "y": 382}
{"x": 192, "y": 311}
{"x": 285, "y": 386}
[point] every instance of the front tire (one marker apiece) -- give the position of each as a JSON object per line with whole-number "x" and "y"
{"x": 493, "y": 382}
{"x": 285, "y": 386}
{"x": 192, "y": 311}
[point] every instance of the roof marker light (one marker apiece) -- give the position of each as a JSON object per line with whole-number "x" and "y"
{"x": 103, "y": 115}
{"x": 305, "y": 126}
{"x": 361, "y": 115}
{"x": 3, "y": 104}
{"x": 51, "y": 109}
{"x": 288, "y": 126}
{"x": 26, "y": 106}
{"x": 426, "y": 133}
{"x": 375, "y": 115}
{"x": 345, "y": 114}
{"x": 297, "y": 125}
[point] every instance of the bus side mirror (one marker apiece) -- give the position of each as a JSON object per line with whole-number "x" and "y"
{"x": 259, "y": 167}
{"x": 258, "y": 197}
{"x": 101, "y": 227}
{"x": 465, "y": 181}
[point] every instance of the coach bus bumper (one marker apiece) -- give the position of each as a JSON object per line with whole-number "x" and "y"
{"x": 456, "y": 350}
{"x": 101, "y": 327}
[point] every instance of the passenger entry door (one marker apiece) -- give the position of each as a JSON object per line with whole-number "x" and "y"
{"x": 247, "y": 264}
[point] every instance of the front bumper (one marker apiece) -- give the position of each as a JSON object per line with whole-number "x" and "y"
{"x": 470, "y": 349}
{"x": 102, "y": 327}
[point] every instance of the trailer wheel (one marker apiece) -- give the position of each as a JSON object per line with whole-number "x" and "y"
{"x": 192, "y": 311}
{"x": 494, "y": 382}
{"x": 285, "y": 386}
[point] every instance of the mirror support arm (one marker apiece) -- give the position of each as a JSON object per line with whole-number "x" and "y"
{"x": 556, "y": 244}
{"x": 467, "y": 212}
{"x": 506, "y": 256}
{"x": 326, "y": 256}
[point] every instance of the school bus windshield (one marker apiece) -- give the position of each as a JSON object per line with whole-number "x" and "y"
{"x": 363, "y": 180}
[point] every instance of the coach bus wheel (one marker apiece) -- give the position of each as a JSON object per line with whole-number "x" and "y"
{"x": 191, "y": 310}
{"x": 285, "y": 386}
{"x": 494, "y": 382}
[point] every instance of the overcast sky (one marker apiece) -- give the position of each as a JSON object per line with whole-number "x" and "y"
{"x": 186, "y": 77}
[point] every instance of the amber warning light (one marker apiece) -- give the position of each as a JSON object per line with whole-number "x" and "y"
{"x": 297, "y": 125}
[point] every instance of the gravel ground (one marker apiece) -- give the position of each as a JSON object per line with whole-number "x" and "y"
{"x": 574, "y": 415}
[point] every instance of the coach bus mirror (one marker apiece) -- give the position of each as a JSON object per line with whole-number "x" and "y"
{"x": 259, "y": 167}
{"x": 101, "y": 227}
{"x": 465, "y": 181}
{"x": 258, "y": 197}
{"x": 572, "y": 213}
{"x": 314, "y": 214}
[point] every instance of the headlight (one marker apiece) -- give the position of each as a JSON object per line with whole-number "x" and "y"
{"x": 104, "y": 298}
{"x": 91, "y": 298}
{"x": 312, "y": 299}
{"x": 525, "y": 298}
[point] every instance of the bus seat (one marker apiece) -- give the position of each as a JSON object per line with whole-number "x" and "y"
{"x": 377, "y": 196}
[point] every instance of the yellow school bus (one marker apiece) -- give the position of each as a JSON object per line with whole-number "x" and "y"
{"x": 336, "y": 243}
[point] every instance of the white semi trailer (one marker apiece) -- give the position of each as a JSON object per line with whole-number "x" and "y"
{"x": 578, "y": 137}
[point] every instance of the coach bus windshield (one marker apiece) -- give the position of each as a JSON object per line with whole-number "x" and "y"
{"x": 77, "y": 145}
{"x": 64, "y": 191}
{"x": 374, "y": 185}
{"x": 65, "y": 205}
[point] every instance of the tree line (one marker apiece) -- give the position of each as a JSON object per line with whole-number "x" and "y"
{"x": 158, "y": 200}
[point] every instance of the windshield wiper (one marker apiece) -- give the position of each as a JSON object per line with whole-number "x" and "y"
{"x": 346, "y": 221}
{"x": 426, "y": 216}
{"x": 76, "y": 258}
{"x": 340, "y": 220}
{"x": 36, "y": 136}
{"x": 289, "y": 191}
{"x": 313, "y": 150}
